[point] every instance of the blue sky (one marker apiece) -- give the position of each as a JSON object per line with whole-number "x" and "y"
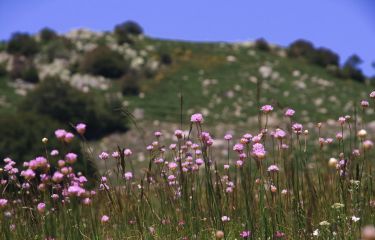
{"x": 345, "y": 26}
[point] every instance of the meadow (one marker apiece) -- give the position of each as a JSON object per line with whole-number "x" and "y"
{"x": 117, "y": 135}
{"x": 289, "y": 182}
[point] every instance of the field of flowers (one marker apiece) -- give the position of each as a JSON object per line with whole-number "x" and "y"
{"x": 285, "y": 182}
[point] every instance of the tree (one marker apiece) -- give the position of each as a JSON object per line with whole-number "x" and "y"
{"x": 22, "y": 43}
{"x": 301, "y": 48}
{"x": 324, "y": 57}
{"x": 68, "y": 105}
{"x": 104, "y": 62}
{"x": 126, "y": 30}
{"x": 351, "y": 68}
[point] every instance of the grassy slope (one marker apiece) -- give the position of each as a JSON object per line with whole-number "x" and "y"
{"x": 194, "y": 62}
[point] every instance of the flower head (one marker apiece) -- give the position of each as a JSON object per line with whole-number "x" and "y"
{"x": 196, "y": 118}
{"x": 266, "y": 108}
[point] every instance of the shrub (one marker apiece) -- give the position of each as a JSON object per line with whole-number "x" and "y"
{"x": 22, "y": 43}
{"x": 47, "y": 35}
{"x": 23, "y": 141}
{"x": 126, "y": 30}
{"x": 68, "y": 105}
{"x": 325, "y": 57}
{"x": 262, "y": 44}
{"x": 58, "y": 48}
{"x": 3, "y": 70}
{"x": 166, "y": 58}
{"x": 351, "y": 69}
{"x": 104, "y": 62}
{"x": 301, "y": 48}
{"x": 24, "y": 69}
{"x": 130, "y": 83}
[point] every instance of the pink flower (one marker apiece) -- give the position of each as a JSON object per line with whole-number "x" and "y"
{"x": 128, "y": 152}
{"x": 68, "y": 137}
{"x": 41, "y": 207}
{"x": 104, "y": 219}
{"x": 368, "y": 144}
{"x": 196, "y": 118}
{"x": 3, "y": 202}
{"x": 372, "y": 94}
{"x": 238, "y": 147}
{"x": 225, "y": 219}
{"x": 245, "y": 234}
{"x": 279, "y": 133}
{"x": 289, "y": 112}
{"x": 71, "y": 158}
{"x": 342, "y": 120}
{"x": 364, "y": 103}
{"x": 172, "y": 165}
{"x": 178, "y": 133}
{"x": 128, "y": 176}
{"x": 297, "y": 128}
{"x": 81, "y": 128}
{"x": 54, "y": 152}
{"x": 28, "y": 174}
{"x": 199, "y": 161}
{"x": 228, "y": 137}
{"x": 57, "y": 177}
{"x": 60, "y": 134}
{"x": 266, "y": 108}
{"x": 104, "y": 156}
{"x": 258, "y": 151}
{"x": 157, "y": 134}
{"x": 273, "y": 168}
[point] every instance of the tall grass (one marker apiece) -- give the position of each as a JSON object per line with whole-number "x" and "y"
{"x": 274, "y": 184}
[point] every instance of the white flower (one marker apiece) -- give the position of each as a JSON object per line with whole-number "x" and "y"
{"x": 316, "y": 232}
{"x": 355, "y": 219}
{"x": 324, "y": 223}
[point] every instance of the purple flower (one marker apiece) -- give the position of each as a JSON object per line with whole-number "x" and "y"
{"x": 245, "y": 234}
{"x": 196, "y": 118}
{"x": 266, "y": 108}
{"x": 81, "y": 128}
{"x": 289, "y": 112}
{"x": 273, "y": 168}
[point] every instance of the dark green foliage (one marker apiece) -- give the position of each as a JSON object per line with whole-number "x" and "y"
{"x": 24, "y": 69}
{"x": 23, "y": 141}
{"x": 351, "y": 69}
{"x": 104, "y": 62}
{"x": 23, "y": 44}
{"x": 325, "y": 57}
{"x": 130, "y": 83}
{"x": 58, "y": 48}
{"x": 301, "y": 48}
{"x": 262, "y": 44}
{"x": 61, "y": 102}
{"x": 47, "y": 35}
{"x": 3, "y": 70}
{"x": 166, "y": 58}
{"x": 126, "y": 30}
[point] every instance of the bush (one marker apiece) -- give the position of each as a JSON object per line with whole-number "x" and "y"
{"x": 301, "y": 48}
{"x": 47, "y": 35}
{"x": 130, "y": 83}
{"x": 68, "y": 105}
{"x": 262, "y": 44}
{"x": 3, "y": 70}
{"x": 351, "y": 69}
{"x": 104, "y": 62}
{"x": 166, "y": 59}
{"x": 325, "y": 57}
{"x": 58, "y": 48}
{"x": 126, "y": 30}
{"x": 24, "y": 69}
{"x": 22, "y": 43}
{"x": 24, "y": 133}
